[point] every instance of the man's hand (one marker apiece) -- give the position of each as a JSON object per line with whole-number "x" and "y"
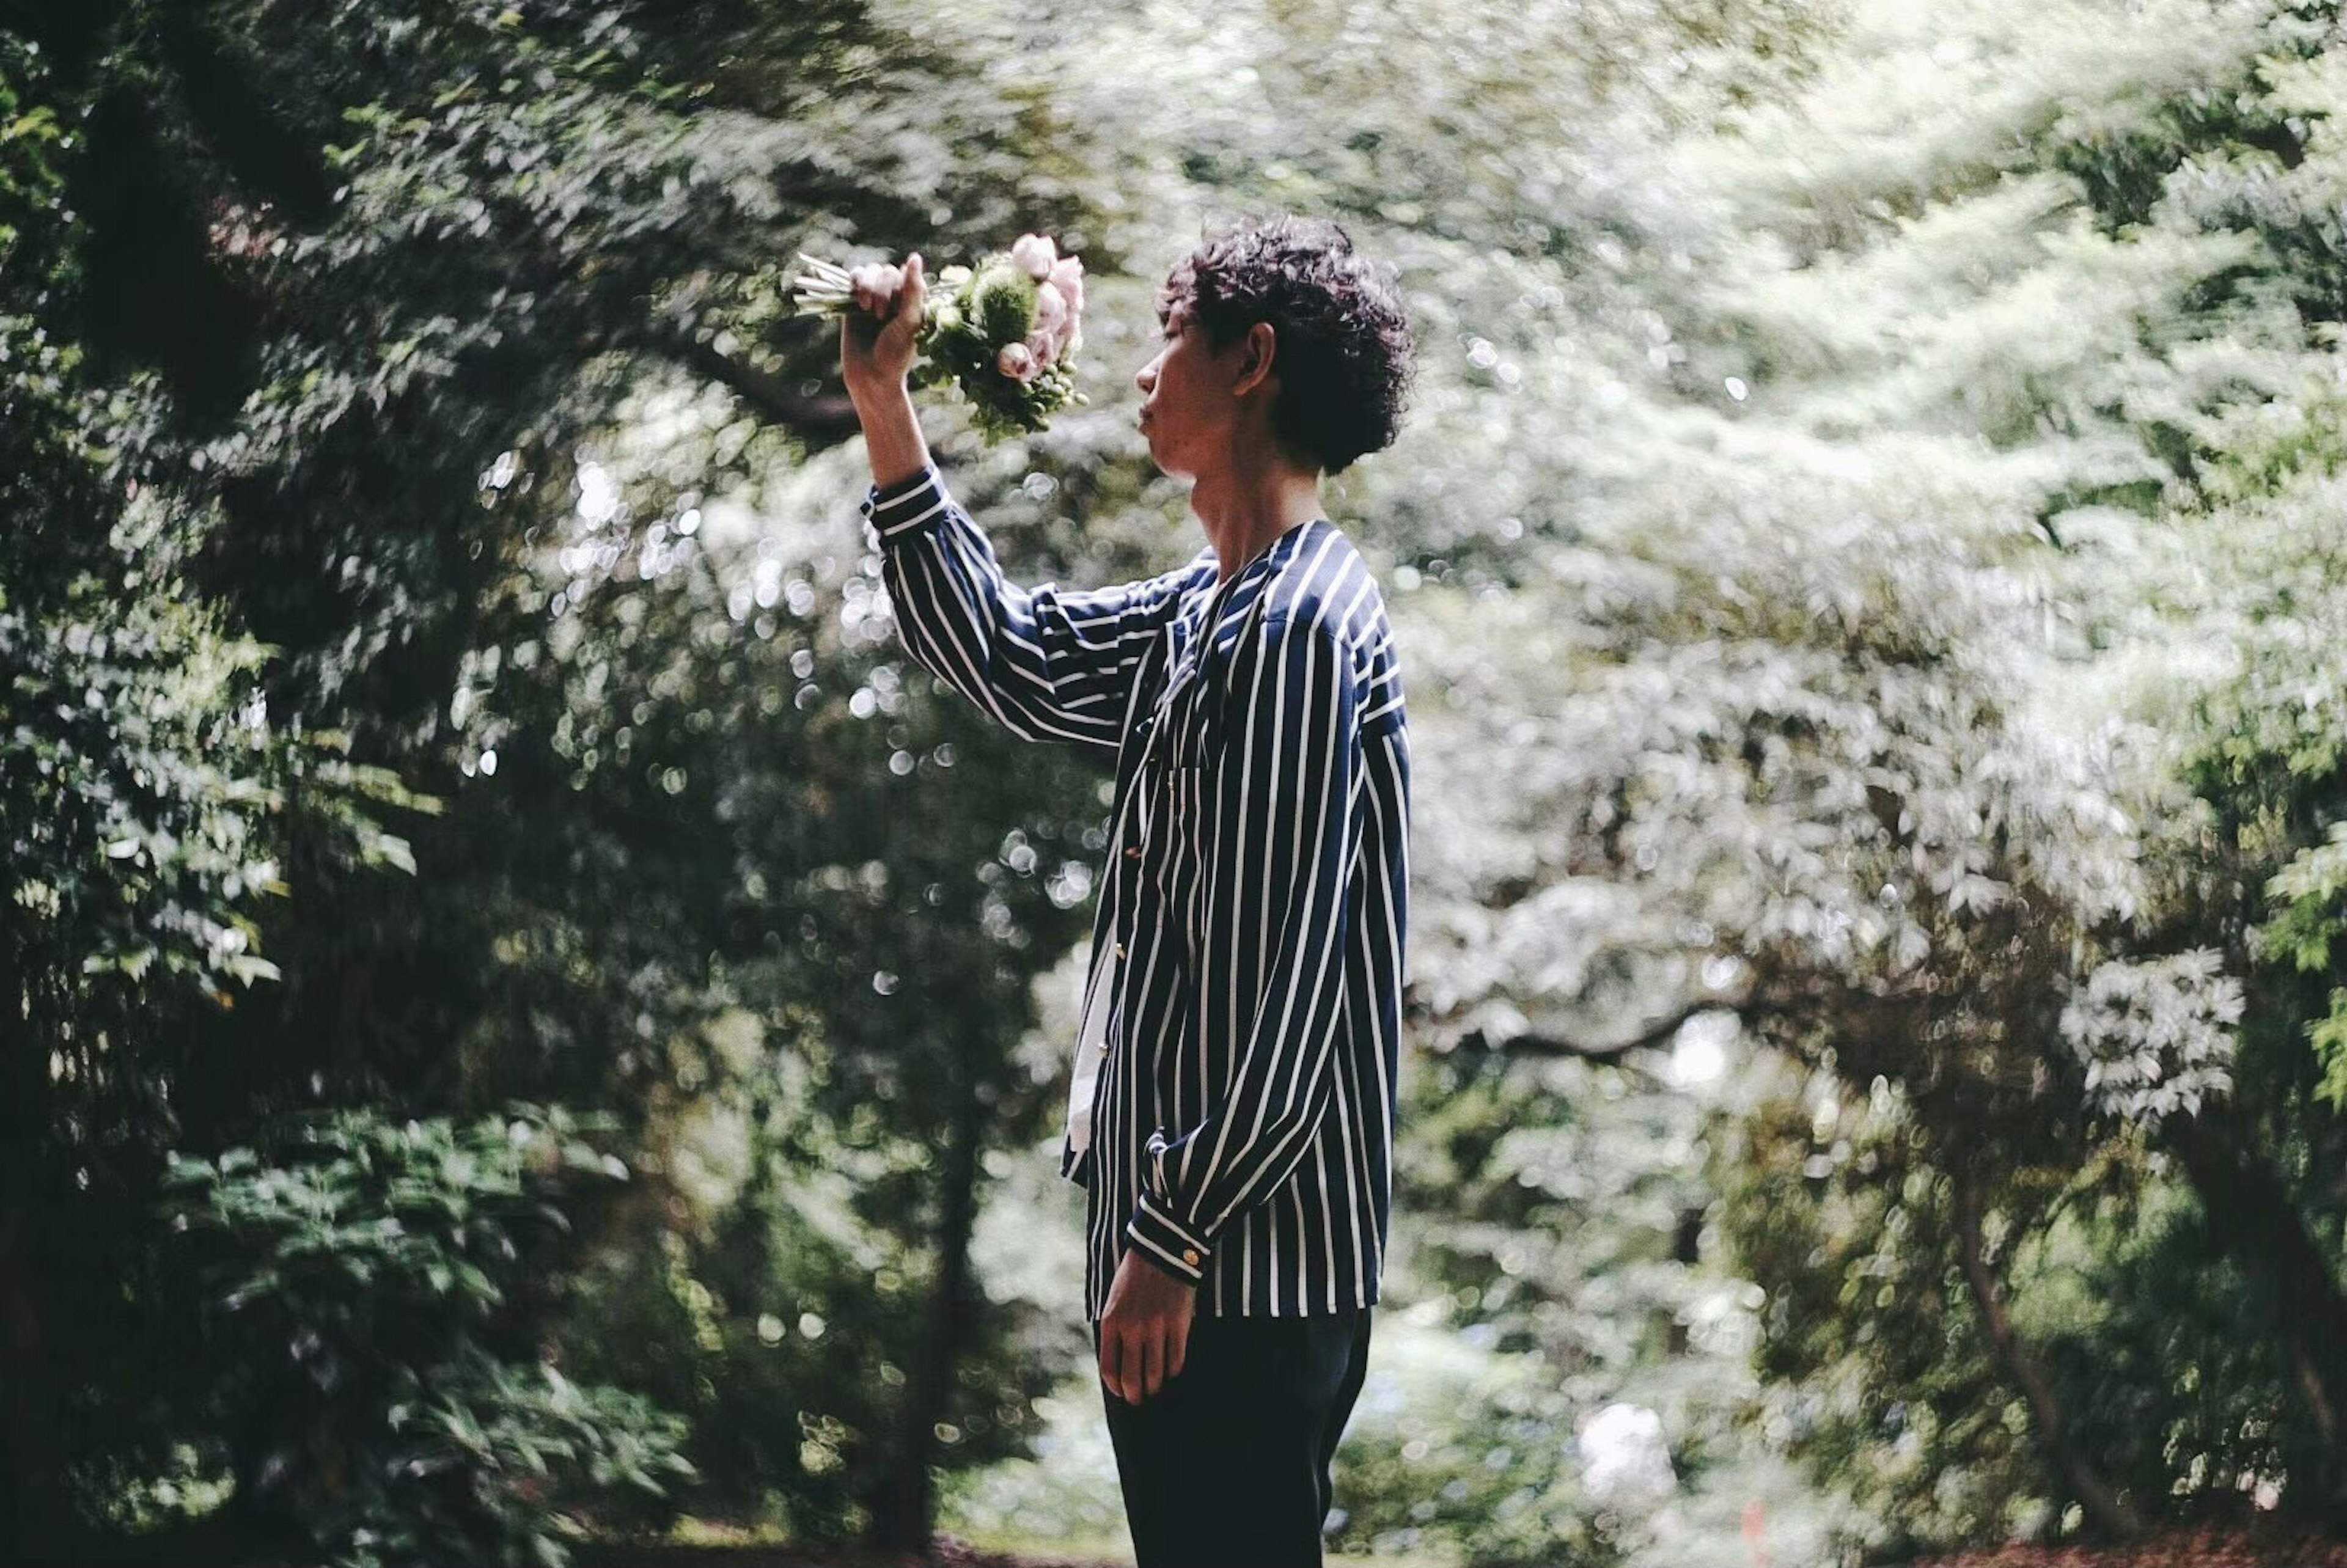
{"x": 1144, "y": 1329}
{"x": 877, "y": 336}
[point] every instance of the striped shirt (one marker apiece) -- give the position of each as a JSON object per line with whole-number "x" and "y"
{"x": 1247, "y": 947}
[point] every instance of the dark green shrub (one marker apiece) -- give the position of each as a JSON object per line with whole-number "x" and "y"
{"x": 363, "y": 1287}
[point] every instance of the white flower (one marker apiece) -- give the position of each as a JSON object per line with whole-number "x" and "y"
{"x": 1623, "y": 1456}
{"x": 1016, "y": 360}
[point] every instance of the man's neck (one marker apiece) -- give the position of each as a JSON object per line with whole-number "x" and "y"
{"x": 1242, "y": 514}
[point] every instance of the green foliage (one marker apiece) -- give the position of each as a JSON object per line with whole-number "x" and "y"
{"x": 366, "y": 1286}
{"x": 152, "y": 803}
{"x": 334, "y": 308}
{"x": 2156, "y": 1373}
{"x": 770, "y": 1285}
{"x": 1872, "y": 482}
{"x": 2307, "y": 896}
{"x": 1492, "y": 1480}
{"x": 1869, "y": 1330}
{"x": 1858, "y": 620}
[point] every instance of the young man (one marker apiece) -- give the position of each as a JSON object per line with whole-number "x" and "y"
{"x": 1232, "y": 1110}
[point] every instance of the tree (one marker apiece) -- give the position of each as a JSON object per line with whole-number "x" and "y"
{"x": 426, "y": 254}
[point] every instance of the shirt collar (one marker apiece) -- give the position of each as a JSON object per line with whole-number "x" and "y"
{"x": 1264, "y": 560}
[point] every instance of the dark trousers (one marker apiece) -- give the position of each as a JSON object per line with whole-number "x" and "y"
{"x": 1226, "y": 1466}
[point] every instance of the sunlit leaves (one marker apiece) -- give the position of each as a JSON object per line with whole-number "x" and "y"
{"x": 2157, "y": 1036}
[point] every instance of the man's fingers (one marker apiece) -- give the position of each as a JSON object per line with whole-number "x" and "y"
{"x": 1113, "y": 1362}
{"x": 1133, "y": 1342}
{"x": 875, "y": 285}
{"x": 1177, "y": 1350}
{"x": 1151, "y": 1369}
{"x": 909, "y": 299}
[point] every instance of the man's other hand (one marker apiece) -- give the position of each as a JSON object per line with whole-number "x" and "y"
{"x": 1144, "y": 1329}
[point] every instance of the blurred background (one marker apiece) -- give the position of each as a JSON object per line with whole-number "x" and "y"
{"x": 535, "y": 1033}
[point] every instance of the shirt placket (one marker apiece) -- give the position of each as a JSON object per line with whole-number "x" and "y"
{"x": 1126, "y": 890}
{"x": 1126, "y": 894}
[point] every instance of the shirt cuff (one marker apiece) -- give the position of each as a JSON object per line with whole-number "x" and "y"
{"x": 1167, "y": 1242}
{"x": 906, "y": 504}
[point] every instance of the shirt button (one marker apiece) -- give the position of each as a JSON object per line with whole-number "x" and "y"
{"x": 1132, "y": 852}
{"x": 1120, "y": 949}
{"x": 1190, "y": 1255}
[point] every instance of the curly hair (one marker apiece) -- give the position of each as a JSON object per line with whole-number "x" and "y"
{"x": 1343, "y": 352}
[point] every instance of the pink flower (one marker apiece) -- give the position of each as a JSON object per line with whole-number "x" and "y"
{"x": 1033, "y": 255}
{"x": 1050, "y": 311}
{"x": 1017, "y": 360}
{"x": 1067, "y": 277}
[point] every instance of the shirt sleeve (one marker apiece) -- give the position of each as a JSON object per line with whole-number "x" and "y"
{"x": 1048, "y": 663}
{"x": 1292, "y": 818}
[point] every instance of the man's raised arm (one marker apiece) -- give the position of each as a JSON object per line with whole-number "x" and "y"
{"x": 1049, "y": 665}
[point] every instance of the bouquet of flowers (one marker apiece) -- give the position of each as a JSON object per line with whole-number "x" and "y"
{"x": 1005, "y": 331}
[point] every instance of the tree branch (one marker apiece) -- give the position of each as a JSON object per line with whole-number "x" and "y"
{"x": 1611, "y": 1053}
{"x": 2105, "y": 1507}
{"x": 826, "y": 418}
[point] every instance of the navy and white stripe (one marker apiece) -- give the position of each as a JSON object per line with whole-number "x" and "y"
{"x": 1255, "y": 895}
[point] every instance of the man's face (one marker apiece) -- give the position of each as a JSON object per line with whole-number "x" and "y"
{"x": 1187, "y": 405}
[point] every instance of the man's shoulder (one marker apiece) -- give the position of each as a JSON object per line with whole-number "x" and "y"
{"x": 1328, "y": 591}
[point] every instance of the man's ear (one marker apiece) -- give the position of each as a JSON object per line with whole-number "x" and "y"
{"x": 1259, "y": 353}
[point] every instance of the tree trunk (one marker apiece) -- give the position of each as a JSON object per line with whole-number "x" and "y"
{"x": 28, "y": 1461}
{"x": 2109, "y": 1511}
{"x": 30, "y": 1487}
{"x": 905, "y": 1500}
{"x": 2250, "y": 1213}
